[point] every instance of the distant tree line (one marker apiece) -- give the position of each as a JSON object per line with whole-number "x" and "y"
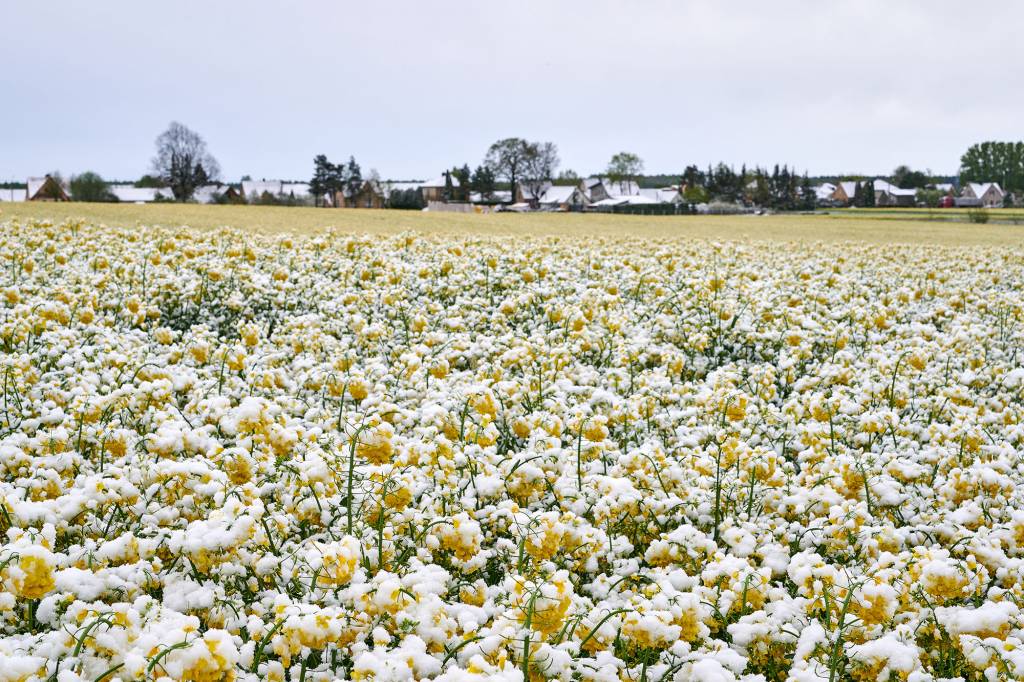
{"x": 183, "y": 164}
{"x": 781, "y": 189}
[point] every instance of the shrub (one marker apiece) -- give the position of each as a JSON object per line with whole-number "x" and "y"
{"x": 978, "y": 215}
{"x": 89, "y": 186}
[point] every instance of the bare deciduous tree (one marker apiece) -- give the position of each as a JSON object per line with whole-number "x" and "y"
{"x": 507, "y": 158}
{"x": 519, "y": 161}
{"x": 541, "y": 163}
{"x": 182, "y": 161}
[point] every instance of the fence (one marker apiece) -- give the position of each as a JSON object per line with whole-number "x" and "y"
{"x": 650, "y": 209}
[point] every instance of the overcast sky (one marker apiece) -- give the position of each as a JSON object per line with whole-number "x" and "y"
{"x": 410, "y": 88}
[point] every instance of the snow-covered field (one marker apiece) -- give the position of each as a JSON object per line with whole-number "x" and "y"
{"x": 230, "y": 457}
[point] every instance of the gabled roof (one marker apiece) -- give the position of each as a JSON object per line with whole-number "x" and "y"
{"x": 664, "y": 195}
{"x": 561, "y": 194}
{"x": 824, "y": 190}
{"x": 849, "y": 187}
{"x": 978, "y": 189}
{"x": 883, "y": 185}
{"x": 893, "y": 190}
{"x": 36, "y": 184}
{"x": 440, "y": 182}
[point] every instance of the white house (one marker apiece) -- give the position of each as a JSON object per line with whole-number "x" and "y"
{"x": 990, "y": 194}
{"x": 599, "y": 189}
{"x": 888, "y": 194}
{"x": 563, "y": 198}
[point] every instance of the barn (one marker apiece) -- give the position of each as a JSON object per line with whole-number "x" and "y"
{"x": 46, "y": 188}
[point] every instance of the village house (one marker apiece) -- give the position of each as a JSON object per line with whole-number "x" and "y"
{"x": 563, "y": 198}
{"x": 592, "y": 189}
{"x": 845, "y": 191}
{"x": 987, "y": 194}
{"x": 46, "y": 188}
{"x": 888, "y": 194}
{"x": 8, "y": 195}
{"x": 434, "y": 190}
{"x": 662, "y": 195}
{"x": 599, "y": 189}
{"x": 531, "y": 196}
{"x": 369, "y": 195}
{"x": 216, "y": 193}
{"x": 624, "y": 200}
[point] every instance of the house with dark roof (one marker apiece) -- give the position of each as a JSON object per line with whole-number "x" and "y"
{"x": 888, "y": 194}
{"x": 46, "y": 188}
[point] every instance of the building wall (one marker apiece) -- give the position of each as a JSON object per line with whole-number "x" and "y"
{"x": 367, "y": 198}
{"x": 432, "y": 194}
{"x": 991, "y": 198}
{"x": 364, "y": 198}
